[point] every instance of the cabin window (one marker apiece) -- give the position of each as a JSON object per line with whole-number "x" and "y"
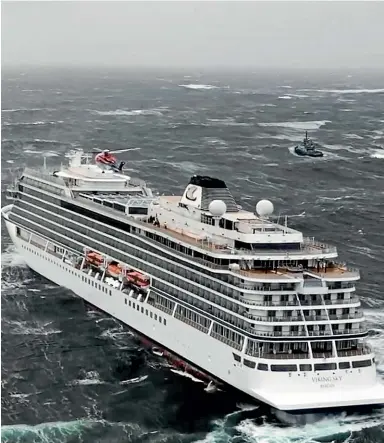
{"x": 344, "y": 365}
{"x": 305, "y": 367}
{"x": 283, "y": 368}
{"x": 325, "y": 366}
{"x": 236, "y": 357}
{"x": 249, "y": 363}
{"x": 361, "y": 363}
{"x": 141, "y": 211}
{"x": 262, "y": 367}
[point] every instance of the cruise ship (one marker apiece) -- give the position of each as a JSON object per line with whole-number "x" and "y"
{"x": 229, "y": 296}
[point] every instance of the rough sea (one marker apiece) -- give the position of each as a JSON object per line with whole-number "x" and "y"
{"x": 72, "y": 374}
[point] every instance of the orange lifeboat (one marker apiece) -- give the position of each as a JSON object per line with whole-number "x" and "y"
{"x": 138, "y": 279}
{"x": 114, "y": 269}
{"x": 94, "y": 258}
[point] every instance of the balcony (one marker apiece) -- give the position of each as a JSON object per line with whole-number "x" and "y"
{"x": 354, "y": 316}
{"x": 348, "y": 301}
{"x": 324, "y": 333}
{"x": 316, "y": 317}
{"x": 355, "y": 331}
{"x": 335, "y": 272}
{"x": 360, "y": 350}
{"x": 320, "y": 302}
{"x": 273, "y": 319}
{"x": 266, "y": 289}
{"x": 279, "y": 355}
{"x": 277, "y": 333}
{"x": 270, "y": 303}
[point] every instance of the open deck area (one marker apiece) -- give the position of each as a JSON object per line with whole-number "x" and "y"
{"x": 309, "y": 247}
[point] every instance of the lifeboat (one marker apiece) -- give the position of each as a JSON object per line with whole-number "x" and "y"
{"x": 114, "y": 269}
{"x": 138, "y": 279}
{"x": 93, "y": 258}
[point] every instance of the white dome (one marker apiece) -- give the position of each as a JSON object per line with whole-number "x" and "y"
{"x": 217, "y": 208}
{"x": 264, "y": 208}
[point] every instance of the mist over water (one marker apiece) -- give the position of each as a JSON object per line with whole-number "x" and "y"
{"x": 73, "y": 374}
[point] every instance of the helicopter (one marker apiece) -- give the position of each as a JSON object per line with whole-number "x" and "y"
{"x": 107, "y": 161}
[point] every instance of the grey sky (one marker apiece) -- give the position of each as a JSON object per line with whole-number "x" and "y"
{"x": 184, "y": 34}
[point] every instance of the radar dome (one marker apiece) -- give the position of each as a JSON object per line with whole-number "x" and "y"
{"x": 264, "y": 208}
{"x": 217, "y": 208}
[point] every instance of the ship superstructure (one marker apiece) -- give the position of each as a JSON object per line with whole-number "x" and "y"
{"x": 234, "y": 295}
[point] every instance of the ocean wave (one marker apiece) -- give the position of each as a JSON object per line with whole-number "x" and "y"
{"x": 38, "y": 123}
{"x": 91, "y": 378}
{"x": 11, "y": 257}
{"x": 199, "y": 87}
{"x": 28, "y": 110}
{"x": 23, "y": 328}
{"x": 337, "y": 427}
{"x": 346, "y": 91}
{"x": 133, "y": 112}
{"x": 134, "y": 380}
{"x": 299, "y": 126}
{"x": 229, "y": 121}
{"x": 378, "y": 153}
{"x": 353, "y": 136}
{"x": 285, "y": 97}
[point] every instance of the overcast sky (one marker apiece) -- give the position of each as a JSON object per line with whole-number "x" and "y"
{"x": 194, "y": 34}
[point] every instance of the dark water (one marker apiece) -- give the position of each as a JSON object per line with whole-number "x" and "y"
{"x": 71, "y": 374}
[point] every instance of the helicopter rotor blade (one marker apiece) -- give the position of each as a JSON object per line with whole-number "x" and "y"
{"x": 118, "y": 151}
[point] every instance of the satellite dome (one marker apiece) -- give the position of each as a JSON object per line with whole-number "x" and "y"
{"x": 217, "y": 208}
{"x": 264, "y": 208}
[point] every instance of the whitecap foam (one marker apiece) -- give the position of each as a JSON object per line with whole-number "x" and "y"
{"x": 187, "y": 375}
{"x": 27, "y": 110}
{"x": 347, "y": 91}
{"x": 125, "y": 112}
{"x": 38, "y": 123}
{"x": 353, "y": 136}
{"x": 329, "y": 427}
{"x": 91, "y": 378}
{"x": 134, "y": 380}
{"x": 229, "y": 121}
{"x": 198, "y": 87}
{"x": 11, "y": 257}
{"x": 378, "y": 153}
{"x": 285, "y": 97}
{"x": 24, "y": 328}
{"x": 299, "y": 126}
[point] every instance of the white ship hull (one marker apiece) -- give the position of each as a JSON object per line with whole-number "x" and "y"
{"x": 285, "y": 391}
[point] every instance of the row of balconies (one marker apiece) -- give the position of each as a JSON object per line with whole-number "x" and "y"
{"x": 353, "y": 352}
{"x": 295, "y": 302}
{"x": 303, "y": 333}
{"x": 307, "y": 318}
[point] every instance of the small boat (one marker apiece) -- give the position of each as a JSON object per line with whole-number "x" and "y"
{"x": 308, "y": 148}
